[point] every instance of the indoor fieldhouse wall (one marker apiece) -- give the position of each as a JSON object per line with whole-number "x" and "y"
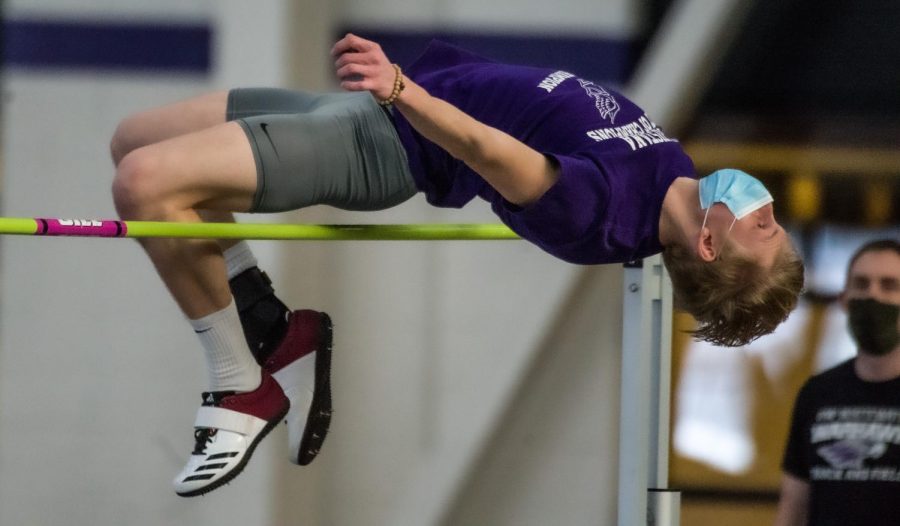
{"x": 99, "y": 374}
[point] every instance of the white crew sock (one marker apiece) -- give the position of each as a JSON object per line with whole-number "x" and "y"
{"x": 239, "y": 258}
{"x": 229, "y": 361}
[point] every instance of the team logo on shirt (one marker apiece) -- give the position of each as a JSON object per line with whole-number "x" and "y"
{"x": 854, "y": 441}
{"x": 639, "y": 134}
{"x": 851, "y": 454}
{"x": 604, "y": 102}
{"x": 553, "y": 80}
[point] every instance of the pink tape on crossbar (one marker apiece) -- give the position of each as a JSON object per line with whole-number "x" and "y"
{"x": 80, "y": 227}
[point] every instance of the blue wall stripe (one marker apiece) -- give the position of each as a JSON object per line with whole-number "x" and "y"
{"x": 46, "y": 44}
{"x": 603, "y": 60}
{"x": 127, "y": 46}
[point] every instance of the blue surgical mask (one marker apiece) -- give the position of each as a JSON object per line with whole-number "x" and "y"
{"x": 739, "y": 191}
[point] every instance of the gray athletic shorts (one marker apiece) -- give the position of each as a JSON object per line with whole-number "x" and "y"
{"x": 338, "y": 149}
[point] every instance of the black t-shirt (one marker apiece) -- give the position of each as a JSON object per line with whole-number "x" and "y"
{"x": 845, "y": 441}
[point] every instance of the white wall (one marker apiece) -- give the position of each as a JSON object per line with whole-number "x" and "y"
{"x": 610, "y": 18}
{"x": 99, "y": 374}
{"x": 553, "y": 458}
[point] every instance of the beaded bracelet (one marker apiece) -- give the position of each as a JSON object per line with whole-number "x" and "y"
{"x": 398, "y": 87}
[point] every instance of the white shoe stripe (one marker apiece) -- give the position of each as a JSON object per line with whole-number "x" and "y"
{"x": 228, "y": 420}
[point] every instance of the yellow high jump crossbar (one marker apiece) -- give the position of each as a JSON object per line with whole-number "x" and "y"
{"x": 297, "y": 232}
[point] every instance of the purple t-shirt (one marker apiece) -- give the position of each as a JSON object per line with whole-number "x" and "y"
{"x": 615, "y": 164}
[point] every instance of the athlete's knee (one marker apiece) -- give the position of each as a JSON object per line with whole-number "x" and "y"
{"x": 137, "y": 190}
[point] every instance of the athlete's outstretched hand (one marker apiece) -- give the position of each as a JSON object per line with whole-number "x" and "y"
{"x": 361, "y": 65}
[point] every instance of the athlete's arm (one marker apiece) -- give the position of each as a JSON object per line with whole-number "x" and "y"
{"x": 793, "y": 505}
{"x": 520, "y": 173}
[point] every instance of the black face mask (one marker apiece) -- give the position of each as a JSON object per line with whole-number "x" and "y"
{"x": 874, "y": 325}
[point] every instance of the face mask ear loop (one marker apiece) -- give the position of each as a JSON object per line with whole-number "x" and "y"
{"x": 732, "y": 224}
{"x": 706, "y": 215}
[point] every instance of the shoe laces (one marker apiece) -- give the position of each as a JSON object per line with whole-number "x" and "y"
{"x": 203, "y": 436}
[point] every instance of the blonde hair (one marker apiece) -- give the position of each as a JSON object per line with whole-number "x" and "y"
{"x": 733, "y": 299}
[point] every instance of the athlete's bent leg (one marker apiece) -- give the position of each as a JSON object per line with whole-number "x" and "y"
{"x": 262, "y": 314}
{"x": 169, "y": 181}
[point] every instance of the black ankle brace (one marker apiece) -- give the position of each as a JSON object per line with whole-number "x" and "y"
{"x": 263, "y": 315}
